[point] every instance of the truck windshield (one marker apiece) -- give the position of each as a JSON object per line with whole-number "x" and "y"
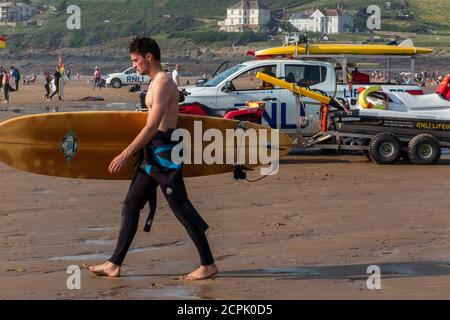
{"x": 222, "y": 76}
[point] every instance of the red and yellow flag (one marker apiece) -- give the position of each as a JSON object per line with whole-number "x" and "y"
{"x": 60, "y": 64}
{"x": 2, "y": 42}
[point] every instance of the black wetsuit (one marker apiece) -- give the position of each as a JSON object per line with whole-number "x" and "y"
{"x": 155, "y": 168}
{"x": 47, "y": 87}
{"x": 57, "y": 77}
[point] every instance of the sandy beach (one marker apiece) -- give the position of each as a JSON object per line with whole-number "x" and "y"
{"x": 309, "y": 232}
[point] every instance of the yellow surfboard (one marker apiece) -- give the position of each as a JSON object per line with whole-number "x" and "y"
{"x": 82, "y": 144}
{"x": 329, "y": 48}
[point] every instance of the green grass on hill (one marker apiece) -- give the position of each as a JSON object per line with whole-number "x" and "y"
{"x": 432, "y": 11}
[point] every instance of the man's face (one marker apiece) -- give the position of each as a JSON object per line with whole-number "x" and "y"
{"x": 141, "y": 64}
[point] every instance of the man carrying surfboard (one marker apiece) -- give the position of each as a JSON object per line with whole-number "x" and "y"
{"x": 153, "y": 141}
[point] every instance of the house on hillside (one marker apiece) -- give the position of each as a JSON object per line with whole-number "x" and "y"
{"x": 246, "y": 15}
{"x": 16, "y": 12}
{"x": 323, "y": 20}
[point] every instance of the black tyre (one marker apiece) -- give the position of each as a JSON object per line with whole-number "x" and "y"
{"x": 116, "y": 83}
{"x": 385, "y": 148}
{"x": 424, "y": 149}
{"x": 367, "y": 154}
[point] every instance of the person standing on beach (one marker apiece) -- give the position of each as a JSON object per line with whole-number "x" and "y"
{"x": 162, "y": 103}
{"x": 1, "y": 77}
{"x": 176, "y": 75}
{"x": 5, "y": 85}
{"x": 16, "y": 75}
{"x": 47, "y": 79}
{"x": 97, "y": 78}
{"x": 69, "y": 72}
{"x": 57, "y": 81}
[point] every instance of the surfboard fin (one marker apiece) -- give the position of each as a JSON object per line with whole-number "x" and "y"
{"x": 408, "y": 43}
{"x": 239, "y": 172}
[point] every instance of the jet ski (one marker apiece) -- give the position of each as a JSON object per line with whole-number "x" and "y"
{"x": 375, "y": 97}
{"x": 396, "y": 112}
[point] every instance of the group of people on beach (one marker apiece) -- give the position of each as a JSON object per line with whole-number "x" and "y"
{"x": 54, "y": 85}
{"x": 7, "y": 78}
{"x": 10, "y": 80}
{"x": 53, "y": 82}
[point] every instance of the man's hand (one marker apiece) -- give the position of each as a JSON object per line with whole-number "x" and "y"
{"x": 117, "y": 164}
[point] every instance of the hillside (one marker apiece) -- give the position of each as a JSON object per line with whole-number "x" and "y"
{"x": 192, "y": 21}
{"x": 401, "y": 15}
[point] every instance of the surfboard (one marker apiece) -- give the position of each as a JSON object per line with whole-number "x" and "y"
{"x": 328, "y": 48}
{"x": 82, "y": 144}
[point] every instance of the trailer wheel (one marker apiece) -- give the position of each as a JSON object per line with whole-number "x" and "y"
{"x": 385, "y": 148}
{"x": 424, "y": 149}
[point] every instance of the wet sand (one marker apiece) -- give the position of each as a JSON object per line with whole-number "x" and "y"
{"x": 309, "y": 232}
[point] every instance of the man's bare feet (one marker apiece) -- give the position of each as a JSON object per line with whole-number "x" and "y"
{"x": 202, "y": 273}
{"x": 108, "y": 269}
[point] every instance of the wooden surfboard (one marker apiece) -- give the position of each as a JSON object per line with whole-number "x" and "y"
{"x": 82, "y": 144}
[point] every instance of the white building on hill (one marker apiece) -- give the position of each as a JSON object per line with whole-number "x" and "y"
{"x": 246, "y": 15}
{"x": 324, "y": 21}
{"x": 15, "y": 12}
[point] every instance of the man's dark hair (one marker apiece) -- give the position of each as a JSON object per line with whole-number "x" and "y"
{"x": 144, "y": 45}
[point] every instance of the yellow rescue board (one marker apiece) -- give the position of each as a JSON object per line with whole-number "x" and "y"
{"x": 82, "y": 144}
{"x": 328, "y": 48}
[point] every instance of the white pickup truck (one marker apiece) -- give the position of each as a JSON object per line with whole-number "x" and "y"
{"x": 235, "y": 86}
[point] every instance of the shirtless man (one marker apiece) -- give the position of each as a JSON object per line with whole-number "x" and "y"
{"x": 162, "y": 103}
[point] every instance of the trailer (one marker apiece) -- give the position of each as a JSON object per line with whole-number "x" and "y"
{"x": 384, "y": 136}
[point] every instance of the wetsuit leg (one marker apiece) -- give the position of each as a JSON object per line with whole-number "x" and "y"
{"x": 47, "y": 91}
{"x": 176, "y": 196}
{"x": 141, "y": 188}
{"x": 56, "y": 91}
{"x": 6, "y": 90}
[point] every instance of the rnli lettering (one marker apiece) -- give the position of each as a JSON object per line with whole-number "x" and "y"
{"x": 135, "y": 79}
{"x": 431, "y": 125}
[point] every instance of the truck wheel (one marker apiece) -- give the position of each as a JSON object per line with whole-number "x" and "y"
{"x": 116, "y": 83}
{"x": 424, "y": 149}
{"x": 385, "y": 148}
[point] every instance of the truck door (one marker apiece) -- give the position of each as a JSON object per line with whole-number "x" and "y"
{"x": 245, "y": 87}
{"x": 313, "y": 76}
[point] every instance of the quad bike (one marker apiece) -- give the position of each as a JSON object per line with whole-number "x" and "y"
{"x": 252, "y": 111}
